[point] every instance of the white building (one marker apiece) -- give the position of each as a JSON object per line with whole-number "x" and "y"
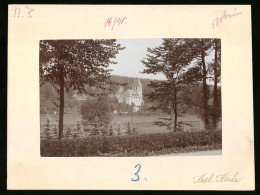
{"x": 80, "y": 96}
{"x": 133, "y": 95}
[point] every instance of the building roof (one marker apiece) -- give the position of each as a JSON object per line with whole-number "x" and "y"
{"x": 137, "y": 83}
{"x": 131, "y": 93}
{"x": 120, "y": 90}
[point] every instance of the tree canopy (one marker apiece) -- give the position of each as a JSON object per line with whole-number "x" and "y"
{"x": 171, "y": 59}
{"x": 182, "y": 61}
{"x": 76, "y": 64}
{"x": 84, "y": 62}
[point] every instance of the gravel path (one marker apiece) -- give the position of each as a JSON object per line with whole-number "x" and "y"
{"x": 200, "y": 153}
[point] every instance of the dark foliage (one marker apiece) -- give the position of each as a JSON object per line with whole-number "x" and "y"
{"x": 172, "y": 59}
{"x": 75, "y": 64}
{"x": 97, "y": 110}
{"x": 132, "y": 145}
{"x": 183, "y": 63}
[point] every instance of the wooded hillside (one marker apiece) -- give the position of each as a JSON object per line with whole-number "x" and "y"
{"x": 49, "y": 94}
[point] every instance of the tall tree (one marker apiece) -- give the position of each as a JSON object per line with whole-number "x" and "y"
{"x": 76, "y": 64}
{"x": 200, "y": 49}
{"x": 172, "y": 59}
{"x": 216, "y": 72}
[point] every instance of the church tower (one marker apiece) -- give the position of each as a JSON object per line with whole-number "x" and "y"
{"x": 137, "y": 86}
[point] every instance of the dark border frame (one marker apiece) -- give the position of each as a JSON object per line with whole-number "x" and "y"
{"x": 3, "y": 84}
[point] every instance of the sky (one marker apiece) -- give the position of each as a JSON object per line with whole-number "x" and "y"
{"x": 129, "y": 60}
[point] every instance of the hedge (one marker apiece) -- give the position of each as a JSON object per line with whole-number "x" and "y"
{"x": 132, "y": 145}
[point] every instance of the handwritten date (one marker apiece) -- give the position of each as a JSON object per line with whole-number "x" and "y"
{"x": 115, "y": 21}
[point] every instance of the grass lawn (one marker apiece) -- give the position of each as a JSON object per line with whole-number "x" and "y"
{"x": 143, "y": 124}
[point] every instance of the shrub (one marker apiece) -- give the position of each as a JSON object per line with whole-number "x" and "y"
{"x": 97, "y": 111}
{"x": 131, "y": 145}
{"x": 55, "y": 132}
{"x": 47, "y": 129}
{"x": 78, "y": 131}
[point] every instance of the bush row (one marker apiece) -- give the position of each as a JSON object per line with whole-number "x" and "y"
{"x": 132, "y": 145}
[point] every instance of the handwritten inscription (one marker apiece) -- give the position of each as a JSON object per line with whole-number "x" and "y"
{"x": 23, "y": 12}
{"x": 226, "y": 15}
{"x": 115, "y": 21}
{"x": 136, "y": 173}
{"x": 227, "y": 177}
{"x": 136, "y": 177}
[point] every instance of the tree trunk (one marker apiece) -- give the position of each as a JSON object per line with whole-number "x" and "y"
{"x": 61, "y": 102}
{"x": 175, "y": 112}
{"x": 175, "y": 119}
{"x": 205, "y": 92}
{"x": 215, "y": 93}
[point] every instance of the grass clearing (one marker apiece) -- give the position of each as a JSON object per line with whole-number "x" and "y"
{"x": 143, "y": 124}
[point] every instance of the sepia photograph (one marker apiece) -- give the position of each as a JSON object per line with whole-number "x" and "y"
{"x": 161, "y": 95}
{"x": 130, "y": 97}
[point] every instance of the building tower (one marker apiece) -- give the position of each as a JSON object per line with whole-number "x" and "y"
{"x": 138, "y": 87}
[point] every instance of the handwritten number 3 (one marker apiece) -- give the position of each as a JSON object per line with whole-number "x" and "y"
{"x": 136, "y": 173}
